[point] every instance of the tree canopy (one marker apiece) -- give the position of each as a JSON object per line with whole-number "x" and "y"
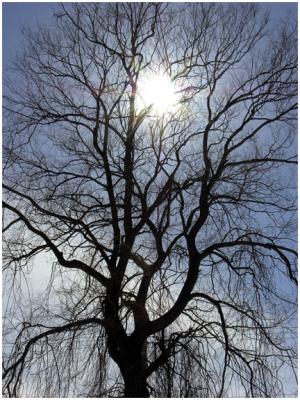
{"x": 169, "y": 231}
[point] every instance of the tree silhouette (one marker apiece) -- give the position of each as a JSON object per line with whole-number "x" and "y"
{"x": 171, "y": 234}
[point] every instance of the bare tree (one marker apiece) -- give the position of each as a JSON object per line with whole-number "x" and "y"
{"x": 170, "y": 235}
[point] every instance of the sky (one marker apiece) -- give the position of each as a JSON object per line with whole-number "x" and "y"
{"x": 17, "y": 15}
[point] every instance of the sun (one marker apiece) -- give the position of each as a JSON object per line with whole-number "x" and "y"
{"x": 159, "y": 92}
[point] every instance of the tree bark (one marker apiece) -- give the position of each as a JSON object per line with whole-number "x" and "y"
{"x": 135, "y": 384}
{"x": 132, "y": 364}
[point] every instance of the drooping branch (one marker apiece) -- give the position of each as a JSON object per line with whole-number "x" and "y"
{"x": 76, "y": 264}
{"x": 56, "y": 330}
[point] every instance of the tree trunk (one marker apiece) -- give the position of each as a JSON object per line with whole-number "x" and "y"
{"x": 135, "y": 385}
{"x": 132, "y": 366}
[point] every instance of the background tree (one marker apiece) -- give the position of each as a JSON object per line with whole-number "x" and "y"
{"x": 170, "y": 230}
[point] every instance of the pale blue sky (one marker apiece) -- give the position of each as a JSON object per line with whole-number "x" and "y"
{"x": 17, "y": 15}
